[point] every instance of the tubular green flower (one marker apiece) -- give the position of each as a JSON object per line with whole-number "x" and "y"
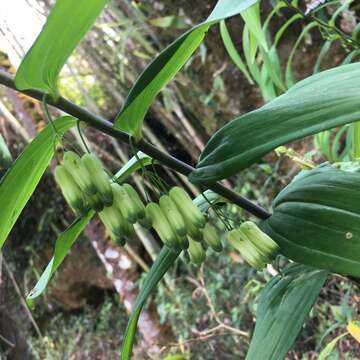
{"x": 81, "y": 176}
{"x": 212, "y": 237}
{"x": 98, "y": 177}
{"x": 137, "y": 203}
{"x": 70, "y": 190}
{"x": 173, "y": 215}
{"x": 196, "y": 252}
{"x": 161, "y": 225}
{"x": 124, "y": 203}
{"x": 188, "y": 209}
{"x": 113, "y": 221}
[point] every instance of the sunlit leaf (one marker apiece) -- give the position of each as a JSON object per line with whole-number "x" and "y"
{"x": 284, "y": 306}
{"x": 66, "y": 25}
{"x": 20, "y": 181}
{"x": 167, "y": 64}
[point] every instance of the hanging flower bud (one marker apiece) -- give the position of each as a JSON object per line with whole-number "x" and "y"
{"x": 71, "y": 191}
{"x": 188, "y": 209}
{"x": 263, "y": 242}
{"x": 145, "y": 222}
{"x": 161, "y": 225}
{"x": 196, "y": 252}
{"x": 194, "y": 232}
{"x": 137, "y": 203}
{"x": 74, "y": 166}
{"x": 124, "y": 203}
{"x": 114, "y": 222}
{"x": 95, "y": 202}
{"x": 248, "y": 251}
{"x": 212, "y": 237}
{"x": 98, "y": 177}
{"x": 173, "y": 215}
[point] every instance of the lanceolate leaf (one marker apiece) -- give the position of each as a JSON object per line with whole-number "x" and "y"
{"x": 284, "y": 306}
{"x": 167, "y": 64}
{"x": 309, "y": 107}
{"x": 66, "y": 25}
{"x": 161, "y": 265}
{"x": 20, "y": 181}
{"x": 62, "y": 247}
{"x": 316, "y": 220}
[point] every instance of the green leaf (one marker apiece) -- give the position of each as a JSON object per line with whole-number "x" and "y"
{"x": 207, "y": 199}
{"x": 284, "y": 306}
{"x": 316, "y": 219}
{"x": 66, "y": 25}
{"x": 134, "y": 164}
{"x": 63, "y": 244}
{"x": 233, "y": 53}
{"x": 166, "y": 65}
{"x": 311, "y": 106}
{"x": 329, "y": 347}
{"x": 161, "y": 265}
{"x": 20, "y": 181}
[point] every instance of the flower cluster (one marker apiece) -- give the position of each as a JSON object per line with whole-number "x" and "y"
{"x": 256, "y": 247}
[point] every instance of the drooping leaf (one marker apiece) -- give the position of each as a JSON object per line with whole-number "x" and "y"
{"x": 284, "y": 306}
{"x": 233, "y": 53}
{"x": 66, "y": 25}
{"x": 20, "y": 181}
{"x": 167, "y": 64}
{"x": 161, "y": 265}
{"x": 63, "y": 244}
{"x": 316, "y": 219}
{"x": 311, "y": 106}
{"x": 134, "y": 164}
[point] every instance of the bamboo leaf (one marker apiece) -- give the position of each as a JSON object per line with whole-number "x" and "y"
{"x": 316, "y": 219}
{"x": 284, "y": 306}
{"x": 20, "y": 181}
{"x": 66, "y": 25}
{"x": 167, "y": 64}
{"x": 311, "y": 106}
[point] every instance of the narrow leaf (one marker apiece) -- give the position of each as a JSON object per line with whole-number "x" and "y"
{"x": 167, "y": 64}
{"x": 311, "y": 106}
{"x": 20, "y": 181}
{"x": 63, "y": 244}
{"x": 161, "y": 265}
{"x": 284, "y": 306}
{"x": 66, "y": 25}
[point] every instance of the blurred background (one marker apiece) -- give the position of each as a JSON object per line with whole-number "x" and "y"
{"x": 201, "y": 313}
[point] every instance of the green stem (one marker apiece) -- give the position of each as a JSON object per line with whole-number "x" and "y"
{"x": 165, "y": 159}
